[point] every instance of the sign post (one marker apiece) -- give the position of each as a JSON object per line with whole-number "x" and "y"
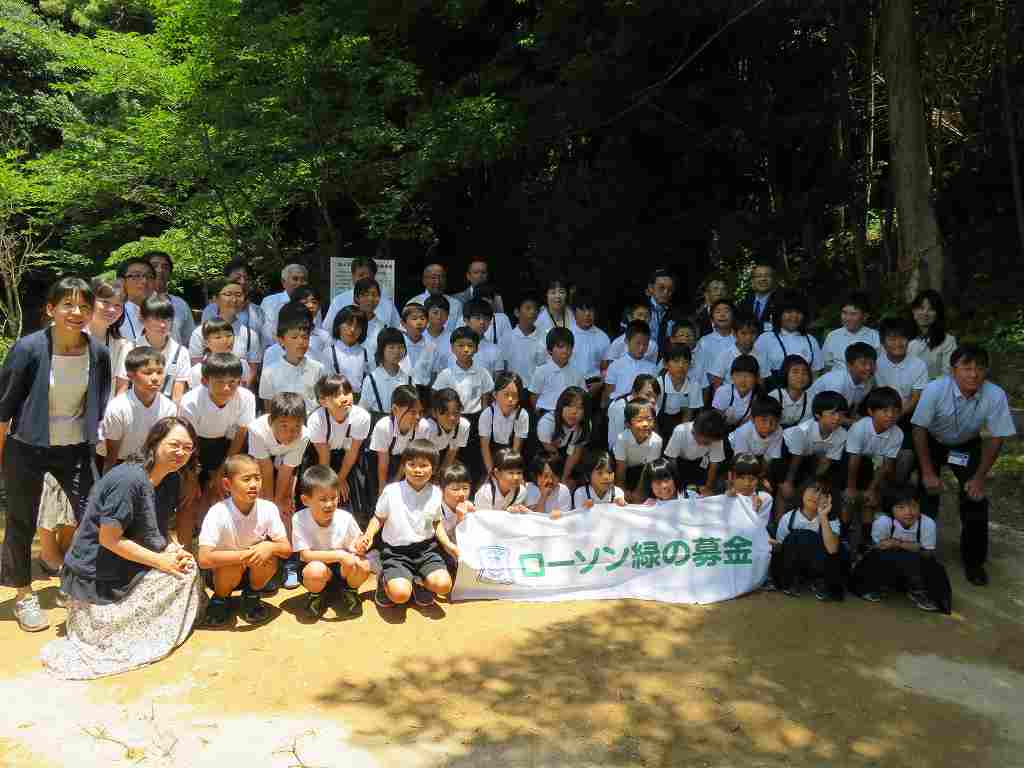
{"x": 341, "y": 275}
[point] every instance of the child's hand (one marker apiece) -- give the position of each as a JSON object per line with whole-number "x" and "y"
{"x": 262, "y": 553}
{"x": 555, "y": 514}
{"x": 704, "y": 490}
{"x": 756, "y": 501}
{"x": 453, "y": 550}
{"x": 620, "y": 502}
{"x": 824, "y": 505}
{"x": 343, "y": 490}
{"x": 519, "y": 509}
{"x": 772, "y": 543}
{"x": 362, "y": 544}
{"x": 888, "y": 544}
{"x": 588, "y": 503}
{"x": 463, "y": 509}
{"x": 650, "y": 503}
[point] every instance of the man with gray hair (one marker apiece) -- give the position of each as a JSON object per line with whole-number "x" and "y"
{"x": 292, "y": 276}
{"x": 435, "y": 279}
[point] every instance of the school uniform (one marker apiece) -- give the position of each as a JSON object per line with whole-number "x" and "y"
{"x": 455, "y": 440}
{"x": 954, "y": 423}
{"x": 455, "y": 319}
{"x": 623, "y": 372}
{"x": 215, "y": 425}
{"x": 863, "y": 440}
{"x": 692, "y": 458}
{"x": 351, "y": 362}
{"x": 183, "y": 325}
{"x": 378, "y": 386}
{"x": 415, "y": 350}
{"x": 907, "y": 376}
{"x": 500, "y": 429}
{"x": 309, "y": 536}
{"x": 472, "y": 384}
{"x": 773, "y": 347}
{"x": 721, "y": 368}
{"x": 177, "y": 363}
{"x": 523, "y": 353}
{"x": 634, "y": 455}
{"x": 489, "y": 496}
{"x": 734, "y": 406}
{"x": 118, "y": 347}
{"x": 746, "y": 439}
{"x": 247, "y": 345}
{"x": 195, "y": 375}
{"x": 373, "y": 328}
{"x": 805, "y": 440}
{"x": 839, "y": 380}
{"x": 338, "y": 437}
{"x": 263, "y": 444}
{"x": 129, "y": 421}
{"x": 409, "y": 548}
{"x": 385, "y": 438}
{"x": 250, "y": 316}
{"x": 318, "y": 342}
{"x": 560, "y": 498}
{"x": 567, "y": 443}
{"x": 54, "y": 404}
{"x": 500, "y": 325}
{"x": 833, "y": 351}
{"x": 793, "y": 411}
{"x": 900, "y": 569}
{"x": 674, "y": 403}
{"x": 386, "y": 311}
{"x": 225, "y": 527}
{"x": 617, "y": 349}
{"x": 549, "y": 381}
{"x": 442, "y": 348}
{"x": 589, "y": 350}
{"x": 545, "y": 322}
{"x": 301, "y": 379}
{"x": 271, "y": 307}
{"x": 709, "y": 349}
{"x": 587, "y": 493}
{"x": 487, "y": 357}
{"x": 938, "y": 359}
{"x": 801, "y": 555}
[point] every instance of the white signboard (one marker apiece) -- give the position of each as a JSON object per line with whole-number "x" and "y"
{"x": 692, "y": 551}
{"x": 341, "y": 275}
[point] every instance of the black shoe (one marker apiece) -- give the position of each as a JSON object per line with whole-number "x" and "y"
{"x": 423, "y": 596}
{"x": 254, "y": 610}
{"x": 977, "y": 576}
{"x": 218, "y": 612}
{"x": 825, "y": 595}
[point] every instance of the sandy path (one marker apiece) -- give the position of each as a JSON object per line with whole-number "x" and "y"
{"x": 765, "y": 680}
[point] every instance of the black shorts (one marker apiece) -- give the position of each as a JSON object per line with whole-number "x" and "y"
{"x": 633, "y": 475}
{"x": 212, "y": 453}
{"x": 410, "y": 560}
{"x": 243, "y": 585}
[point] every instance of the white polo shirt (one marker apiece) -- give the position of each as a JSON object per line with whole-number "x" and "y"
{"x": 587, "y": 493}
{"x": 839, "y": 380}
{"x": 862, "y": 440}
{"x": 906, "y": 377}
{"x": 247, "y": 344}
{"x": 793, "y": 411}
{"x": 263, "y": 444}
{"x": 471, "y": 384}
{"x": 747, "y": 440}
{"x": 301, "y": 379}
{"x": 549, "y": 382}
{"x": 408, "y": 515}
{"x": 128, "y": 420}
{"x": 560, "y": 498}
{"x": 351, "y": 362}
{"x": 632, "y": 453}
{"x": 572, "y": 439}
{"x": 771, "y": 348}
{"x": 213, "y": 421}
{"x": 488, "y": 357}
{"x": 338, "y": 435}
{"x": 623, "y": 372}
{"x": 885, "y": 527}
{"x": 225, "y": 527}
{"x": 489, "y": 496}
{"x": 683, "y": 445}
{"x": 732, "y": 404}
{"x": 386, "y": 311}
{"x": 195, "y": 374}
{"x": 499, "y": 428}
{"x": 721, "y": 368}
{"x": 833, "y": 352}
{"x": 953, "y": 419}
{"x": 177, "y": 363}
{"x": 251, "y": 316}
{"x": 795, "y": 520}
{"x": 617, "y": 349}
{"x": 454, "y": 309}
{"x": 385, "y": 437}
{"x": 710, "y": 347}
{"x": 443, "y": 441}
{"x": 805, "y": 440}
{"x": 309, "y": 535}
{"x": 589, "y": 350}
{"x": 617, "y": 418}
{"x": 523, "y": 353}
{"x": 673, "y": 400}
{"x": 379, "y": 385}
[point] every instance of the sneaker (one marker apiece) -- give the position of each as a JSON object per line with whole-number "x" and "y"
{"x": 316, "y": 605}
{"x": 48, "y": 569}
{"x": 920, "y": 598}
{"x": 793, "y": 590}
{"x": 62, "y": 599}
{"x": 218, "y": 612}
{"x": 422, "y": 595}
{"x": 825, "y": 595}
{"x": 291, "y": 574}
{"x": 380, "y": 596}
{"x": 768, "y": 585}
{"x": 349, "y": 604}
{"x": 254, "y": 610}
{"x": 29, "y": 614}
{"x": 871, "y": 597}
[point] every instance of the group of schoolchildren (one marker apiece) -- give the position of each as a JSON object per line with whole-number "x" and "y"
{"x": 381, "y": 429}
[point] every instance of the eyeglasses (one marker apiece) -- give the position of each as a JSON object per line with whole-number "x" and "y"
{"x": 136, "y": 276}
{"x": 181, "y": 447}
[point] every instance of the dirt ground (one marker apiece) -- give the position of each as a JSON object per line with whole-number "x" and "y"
{"x": 765, "y": 680}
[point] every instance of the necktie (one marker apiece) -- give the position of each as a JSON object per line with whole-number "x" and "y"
{"x": 758, "y": 307}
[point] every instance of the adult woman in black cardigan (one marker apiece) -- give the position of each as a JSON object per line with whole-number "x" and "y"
{"x": 133, "y": 594}
{"x": 54, "y": 386}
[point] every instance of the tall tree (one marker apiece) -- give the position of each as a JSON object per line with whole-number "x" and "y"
{"x": 921, "y": 255}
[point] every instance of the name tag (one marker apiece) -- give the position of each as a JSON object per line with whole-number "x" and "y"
{"x": 958, "y": 458}
{"x": 767, "y": 327}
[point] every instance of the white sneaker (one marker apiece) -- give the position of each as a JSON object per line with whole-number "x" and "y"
{"x": 29, "y": 614}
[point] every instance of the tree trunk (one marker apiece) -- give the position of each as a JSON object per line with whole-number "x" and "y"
{"x": 1010, "y": 120}
{"x": 920, "y": 241}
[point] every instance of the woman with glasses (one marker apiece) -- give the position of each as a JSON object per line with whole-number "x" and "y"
{"x": 133, "y": 593}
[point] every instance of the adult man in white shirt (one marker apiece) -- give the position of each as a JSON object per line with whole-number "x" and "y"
{"x": 947, "y": 431}
{"x": 435, "y": 278}
{"x": 292, "y": 277}
{"x": 137, "y": 275}
{"x": 477, "y": 274}
{"x": 363, "y": 267}
{"x": 184, "y": 324}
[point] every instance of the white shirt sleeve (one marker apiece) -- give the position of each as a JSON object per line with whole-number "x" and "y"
{"x": 546, "y": 428}
{"x": 522, "y": 424}
{"x": 317, "y": 424}
{"x": 855, "y": 438}
{"x": 116, "y": 419}
{"x": 485, "y": 426}
{"x": 620, "y": 447}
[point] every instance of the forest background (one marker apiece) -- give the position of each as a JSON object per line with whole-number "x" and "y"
{"x": 851, "y": 143}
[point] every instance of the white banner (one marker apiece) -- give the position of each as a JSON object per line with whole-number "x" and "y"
{"x": 341, "y": 275}
{"x": 694, "y": 551}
